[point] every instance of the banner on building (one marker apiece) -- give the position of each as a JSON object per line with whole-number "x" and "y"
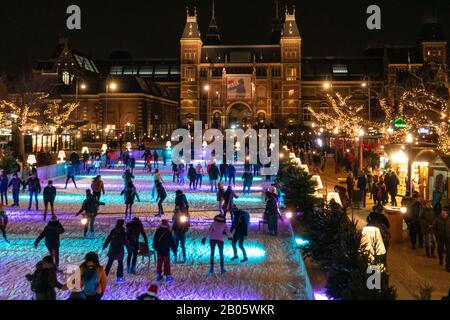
{"x": 239, "y": 87}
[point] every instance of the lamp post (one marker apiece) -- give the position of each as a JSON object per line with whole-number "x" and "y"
{"x": 109, "y": 86}
{"x": 409, "y": 141}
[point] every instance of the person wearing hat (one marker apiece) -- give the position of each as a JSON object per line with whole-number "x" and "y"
{"x": 163, "y": 242}
{"x": 3, "y": 222}
{"x": 151, "y": 293}
{"x": 216, "y": 235}
{"x": 52, "y": 233}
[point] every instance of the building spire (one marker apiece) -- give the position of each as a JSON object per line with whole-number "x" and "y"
{"x": 191, "y": 29}
{"x": 277, "y": 24}
{"x": 213, "y": 37}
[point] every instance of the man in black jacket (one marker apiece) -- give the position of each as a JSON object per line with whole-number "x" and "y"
{"x": 90, "y": 206}
{"x": 49, "y": 198}
{"x": 117, "y": 241}
{"x": 413, "y": 221}
{"x": 441, "y": 228}
{"x": 51, "y": 233}
{"x": 240, "y": 221}
{"x": 163, "y": 242}
{"x": 135, "y": 229}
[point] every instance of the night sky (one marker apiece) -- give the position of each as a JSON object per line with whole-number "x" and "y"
{"x": 151, "y": 29}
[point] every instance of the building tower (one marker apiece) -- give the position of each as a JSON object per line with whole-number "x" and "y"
{"x": 277, "y": 25}
{"x": 213, "y": 37}
{"x": 433, "y": 43}
{"x": 191, "y": 46}
{"x": 290, "y": 44}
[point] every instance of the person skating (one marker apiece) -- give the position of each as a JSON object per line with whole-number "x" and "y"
{"x": 427, "y": 218}
{"x": 240, "y": 221}
{"x": 180, "y": 226}
{"x": 130, "y": 194}
{"x": 176, "y": 173}
{"x": 90, "y": 207}
{"x": 135, "y": 229}
{"x": 26, "y": 174}
{"x": 34, "y": 187}
{"x": 272, "y": 214}
{"x": 117, "y": 241}
{"x": 127, "y": 177}
{"x": 248, "y": 181}
{"x": 228, "y": 199}
{"x": 181, "y": 173}
{"x": 164, "y": 157}
{"x": 231, "y": 170}
{"x": 413, "y": 221}
{"x": 156, "y": 159}
{"x": 151, "y": 294}
{"x": 156, "y": 177}
{"x": 4, "y": 187}
{"x": 3, "y": 223}
{"x": 15, "y": 183}
{"x": 192, "y": 175}
{"x": 44, "y": 280}
{"x": 52, "y": 233}
{"x": 132, "y": 163}
{"x": 163, "y": 242}
{"x": 162, "y": 195}
{"x": 220, "y": 197}
{"x": 213, "y": 174}
{"x": 216, "y": 236}
{"x": 93, "y": 277}
{"x": 49, "y": 196}
{"x": 223, "y": 171}
{"x": 441, "y": 229}
{"x": 181, "y": 201}
{"x": 199, "y": 179}
{"x": 71, "y": 176}
{"x": 98, "y": 187}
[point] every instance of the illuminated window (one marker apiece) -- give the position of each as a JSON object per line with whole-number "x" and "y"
{"x": 190, "y": 73}
{"x": 116, "y": 70}
{"x": 340, "y": 69}
{"x": 291, "y": 93}
{"x": 306, "y": 116}
{"x": 130, "y": 70}
{"x": 291, "y": 73}
{"x": 66, "y": 78}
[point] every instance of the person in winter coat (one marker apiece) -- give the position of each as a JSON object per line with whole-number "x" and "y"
{"x": 34, "y": 187}
{"x": 129, "y": 194}
{"x": 213, "y": 174}
{"x": 117, "y": 241}
{"x": 26, "y": 173}
{"x": 272, "y": 214}
{"x": 362, "y": 185}
{"x": 151, "y": 294}
{"x": 71, "y": 176}
{"x": 228, "y": 199}
{"x": 127, "y": 177}
{"x": 156, "y": 177}
{"x": 132, "y": 163}
{"x": 181, "y": 173}
{"x": 240, "y": 222}
{"x": 248, "y": 181}
{"x": 350, "y": 186}
{"x": 93, "y": 277}
{"x": 192, "y": 175}
{"x": 49, "y": 199}
{"x": 156, "y": 159}
{"x": 223, "y": 171}
{"x": 176, "y": 173}
{"x": 427, "y": 218}
{"x": 199, "y": 179}
{"x": 231, "y": 175}
{"x": 441, "y": 229}
{"x": 4, "y": 187}
{"x": 181, "y": 201}
{"x": 90, "y": 207}
{"x": 377, "y": 219}
{"x": 44, "y": 280}
{"x": 413, "y": 221}
{"x": 3, "y": 223}
{"x": 393, "y": 187}
{"x": 220, "y": 197}
{"x": 98, "y": 187}
{"x": 180, "y": 226}
{"x": 162, "y": 195}
{"x": 15, "y": 185}
{"x": 216, "y": 234}
{"x": 163, "y": 242}
{"x": 52, "y": 233}
{"x": 135, "y": 229}
{"x": 381, "y": 192}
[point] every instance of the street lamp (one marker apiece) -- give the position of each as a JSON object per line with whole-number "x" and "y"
{"x": 110, "y": 85}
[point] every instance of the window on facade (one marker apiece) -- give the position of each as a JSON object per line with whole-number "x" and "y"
{"x": 189, "y": 73}
{"x": 291, "y": 93}
{"x": 291, "y": 73}
{"x": 275, "y": 72}
{"x": 146, "y": 70}
{"x": 306, "y": 113}
{"x": 161, "y": 71}
{"x": 66, "y": 78}
{"x": 175, "y": 70}
{"x": 340, "y": 69}
{"x": 116, "y": 70}
{"x": 130, "y": 70}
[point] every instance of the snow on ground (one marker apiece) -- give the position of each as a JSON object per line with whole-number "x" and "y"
{"x": 271, "y": 273}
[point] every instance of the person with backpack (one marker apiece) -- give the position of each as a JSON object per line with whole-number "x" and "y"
{"x": 216, "y": 234}
{"x": 93, "y": 277}
{"x": 231, "y": 175}
{"x": 248, "y": 181}
{"x": 181, "y": 201}
{"x": 15, "y": 183}
{"x": 3, "y": 223}
{"x": 34, "y": 187}
{"x": 90, "y": 207}
{"x": 240, "y": 221}
{"x": 44, "y": 280}
{"x": 52, "y": 233}
{"x": 117, "y": 241}
{"x": 163, "y": 242}
{"x": 151, "y": 294}
{"x": 71, "y": 176}
{"x": 49, "y": 198}
{"x": 98, "y": 187}
{"x": 213, "y": 174}
{"x": 162, "y": 195}
{"x": 129, "y": 194}
{"x": 134, "y": 229}
{"x": 4, "y": 187}
{"x": 192, "y": 175}
{"x": 180, "y": 226}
